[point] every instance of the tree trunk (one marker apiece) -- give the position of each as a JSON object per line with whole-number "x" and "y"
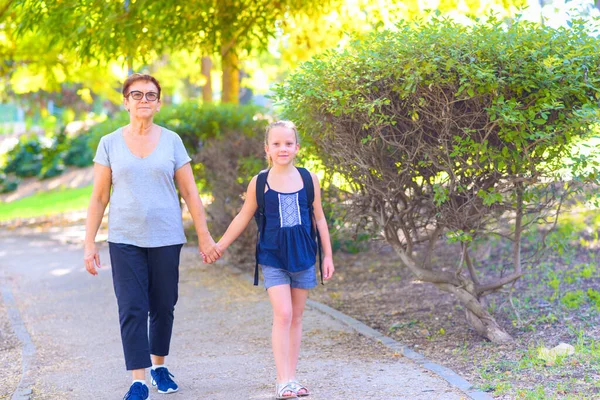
{"x": 231, "y": 76}
{"x": 476, "y": 313}
{"x": 477, "y": 316}
{"x": 207, "y": 94}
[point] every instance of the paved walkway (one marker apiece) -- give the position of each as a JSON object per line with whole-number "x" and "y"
{"x": 65, "y": 342}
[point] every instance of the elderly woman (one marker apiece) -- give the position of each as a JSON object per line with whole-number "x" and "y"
{"x": 142, "y": 162}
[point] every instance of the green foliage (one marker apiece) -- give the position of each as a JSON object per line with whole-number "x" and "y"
{"x": 594, "y": 297}
{"x": 458, "y": 132}
{"x": 554, "y": 283}
{"x": 98, "y": 32}
{"x": 573, "y": 299}
{"x": 25, "y": 159}
{"x": 466, "y": 124}
{"x": 79, "y": 152}
{"x": 458, "y": 235}
{"x": 534, "y": 97}
{"x": 53, "y": 153}
{"x": 165, "y": 24}
{"x": 44, "y": 158}
{"x": 54, "y": 167}
{"x": 501, "y": 374}
{"x": 197, "y": 123}
{"x": 562, "y": 282}
{"x": 8, "y": 185}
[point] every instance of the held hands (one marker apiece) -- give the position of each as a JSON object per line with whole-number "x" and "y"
{"x": 91, "y": 258}
{"x": 328, "y": 268}
{"x": 210, "y": 253}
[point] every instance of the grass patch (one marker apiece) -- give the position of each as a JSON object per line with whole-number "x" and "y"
{"x": 567, "y": 378}
{"x": 47, "y": 203}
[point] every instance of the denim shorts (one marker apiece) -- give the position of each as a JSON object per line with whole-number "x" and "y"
{"x": 306, "y": 279}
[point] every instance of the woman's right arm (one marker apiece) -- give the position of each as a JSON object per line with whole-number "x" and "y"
{"x": 240, "y": 222}
{"x": 95, "y": 212}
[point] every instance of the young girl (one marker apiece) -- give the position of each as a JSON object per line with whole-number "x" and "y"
{"x": 287, "y": 251}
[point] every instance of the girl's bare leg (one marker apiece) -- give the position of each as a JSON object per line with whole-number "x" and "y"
{"x": 281, "y": 302}
{"x": 299, "y": 297}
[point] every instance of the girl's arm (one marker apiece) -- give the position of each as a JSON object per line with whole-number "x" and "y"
{"x": 240, "y": 222}
{"x": 189, "y": 192}
{"x": 328, "y": 268}
{"x": 98, "y": 201}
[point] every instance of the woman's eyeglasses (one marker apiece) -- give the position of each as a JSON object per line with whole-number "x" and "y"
{"x": 137, "y": 95}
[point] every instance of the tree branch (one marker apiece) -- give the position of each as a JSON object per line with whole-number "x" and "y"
{"x": 518, "y": 230}
{"x": 4, "y": 7}
{"x": 482, "y": 290}
{"x": 471, "y": 267}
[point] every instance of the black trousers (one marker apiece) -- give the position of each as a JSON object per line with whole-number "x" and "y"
{"x": 145, "y": 282}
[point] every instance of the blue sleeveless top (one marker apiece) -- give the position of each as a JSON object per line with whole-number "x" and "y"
{"x": 286, "y": 241}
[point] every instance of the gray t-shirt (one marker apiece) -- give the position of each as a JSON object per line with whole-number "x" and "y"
{"x": 144, "y": 206}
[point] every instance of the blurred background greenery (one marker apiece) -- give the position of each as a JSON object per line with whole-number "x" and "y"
{"x": 62, "y": 64}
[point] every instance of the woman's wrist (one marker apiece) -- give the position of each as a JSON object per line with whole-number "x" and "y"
{"x": 204, "y": 236}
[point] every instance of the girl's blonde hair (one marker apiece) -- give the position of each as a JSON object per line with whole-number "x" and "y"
{"x": 283, "y": 124}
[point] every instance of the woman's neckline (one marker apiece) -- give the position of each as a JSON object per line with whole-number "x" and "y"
{"x": 149, "y": 154}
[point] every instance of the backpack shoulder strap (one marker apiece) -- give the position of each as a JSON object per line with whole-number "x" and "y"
{"x": 259, "y": 215}
{"x": 308, "y": 184}
{"x": 310, "y": 195}
{"x": 261, "y": 180}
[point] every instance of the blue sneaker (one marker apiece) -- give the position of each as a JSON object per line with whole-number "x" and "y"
{"x": 137, "y": 391}
{"x": 161, "y": 378}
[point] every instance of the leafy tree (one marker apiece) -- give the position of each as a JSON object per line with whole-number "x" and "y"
{"x": 457, "y": 133}
{"x": 34, "y": 72}
{"x": 141, "y": 30}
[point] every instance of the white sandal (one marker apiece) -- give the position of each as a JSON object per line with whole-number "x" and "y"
{"x": 281, "y": 388}
{"x": 297, "y": 387}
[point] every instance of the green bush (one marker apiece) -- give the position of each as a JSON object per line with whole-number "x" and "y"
{"x": 196, "y": 123}
{"x": 42, "y": 158}
{"x": 449, "y": 130}
{"x": 25, "y": 159}
{"x": 79, "y": 152}
{"x": 7, "y": 184}
{"x": 53, "y": 155}
{"x": 53, "y": 167}
{"x": 46, "y": 157}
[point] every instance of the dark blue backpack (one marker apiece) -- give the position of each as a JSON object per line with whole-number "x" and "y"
{"x": 259, "y": 215}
